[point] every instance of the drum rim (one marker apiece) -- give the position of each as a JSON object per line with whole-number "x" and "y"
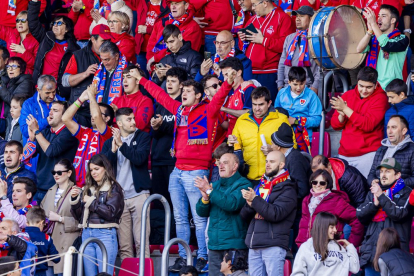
{"x": 326, "y": 40}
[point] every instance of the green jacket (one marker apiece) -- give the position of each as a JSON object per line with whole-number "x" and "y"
{"x": 226, "y": 229}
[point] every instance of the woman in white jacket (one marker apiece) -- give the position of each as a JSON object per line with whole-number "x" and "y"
{"x": 322, "y": 255}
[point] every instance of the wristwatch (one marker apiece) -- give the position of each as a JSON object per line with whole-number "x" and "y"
{"x": 3, "y": 197}
{"x": 208, "y": 192}
{"x": 408, "y": 31}
{"x": 60, "y": 219}
{"x": 37, "y": 132}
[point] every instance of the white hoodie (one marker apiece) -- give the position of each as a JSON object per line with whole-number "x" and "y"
{"x": 340, "y": 261}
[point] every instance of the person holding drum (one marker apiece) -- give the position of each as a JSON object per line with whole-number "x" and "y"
{"x": 296, "y": 52}
{"x": 385, "y": 45}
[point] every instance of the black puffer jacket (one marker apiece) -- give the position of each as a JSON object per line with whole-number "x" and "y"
{"x": 399, "y": 216}
{"x": 102, "y": 210}
{"x": 185, "y": 58}
{"x": 398, "y": 262}
{"x": 46, "y": 42}
{"x": 278, "y": 216}
{"x": 404, "y": 156}
{"x": 21, "y": 85}
{"x": 18, "y": 247}
{"x": 350, "y": 180}
{"x": 299, "y": 170}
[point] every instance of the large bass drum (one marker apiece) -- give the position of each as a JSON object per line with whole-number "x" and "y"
{"x": 341, "y": 28}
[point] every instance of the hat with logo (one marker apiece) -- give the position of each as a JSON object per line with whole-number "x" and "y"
{"x": 304, "y": 10}
{"x": 390, "y": 163}
{"x": 103, "y": 31}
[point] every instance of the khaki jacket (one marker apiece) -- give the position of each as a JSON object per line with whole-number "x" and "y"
{"x": 64, "y": 233}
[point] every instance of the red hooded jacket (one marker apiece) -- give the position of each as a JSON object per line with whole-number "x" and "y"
{"x": 336, "y": 203}
{"x": 21, "y": 5}
{"x": 363, "y": 131}
{"x": 196, "y": 156}
{"x": 190, "y": 30}
{"x": 126, "y": 45}
{"x": 11, "y": 35}
{"x": 275, "y": 27}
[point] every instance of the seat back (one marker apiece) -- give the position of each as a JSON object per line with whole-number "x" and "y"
{"x": 132, "y": 264}
{"x": 326, "y": 143}
{"x": 287, "y": 268}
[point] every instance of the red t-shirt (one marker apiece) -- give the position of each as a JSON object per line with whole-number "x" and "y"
{"x": 152, "y": 14}
{"x": 90, "y": 143}
{"x": 72, "y": 67}
{"x": 52, "y": 59}
{"x": 258, "y": 120}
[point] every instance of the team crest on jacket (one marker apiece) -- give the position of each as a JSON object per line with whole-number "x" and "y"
{"x": 236, "y": 102}
{"x": 270, "y": 30}
{"x": 302, "y": 101}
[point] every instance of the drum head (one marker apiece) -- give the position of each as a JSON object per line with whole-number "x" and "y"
{"x": 344, "y": 29}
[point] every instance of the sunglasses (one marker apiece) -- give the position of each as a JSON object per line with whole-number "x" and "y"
{"x": 23, "y": 20}
{"x": 12, "y": 67}
{"x": 215, "y": 85}
{"x": 57, "y": 23}
{"x": 58, "y": 172}
{"x": 322, "y": 183}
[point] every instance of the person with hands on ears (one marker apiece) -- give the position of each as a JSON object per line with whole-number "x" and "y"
{"x": 91, "y": 140}
{"x": 385, "y": 206}
{"x": 221, "y": 201}
{"x": 384, "y": 43}
{"x": 193, "y": 152}
{"x": 322, "y": 254}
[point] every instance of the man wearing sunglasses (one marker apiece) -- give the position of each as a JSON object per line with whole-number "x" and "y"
{"x": 81, "y": 68}
{"x": 385, "y": 206}
{"x": 271, "y": 210}
{"x": 224, "y": 49}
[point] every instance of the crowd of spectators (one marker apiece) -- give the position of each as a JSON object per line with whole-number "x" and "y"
{"x": 215, "y": 106}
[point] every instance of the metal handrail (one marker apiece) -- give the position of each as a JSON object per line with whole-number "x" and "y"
{"x": 82, "y": 248}
{"x": 144, "y": 227}
{"x": 408, "y": 82}
{"x": 166, "y": 253}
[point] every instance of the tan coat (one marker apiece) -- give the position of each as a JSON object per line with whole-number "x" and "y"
{"x": 64, "y": 233}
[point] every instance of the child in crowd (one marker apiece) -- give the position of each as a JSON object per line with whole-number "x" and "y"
{"x": 188, "y": 270}
{"x": 36, "y": 219}
{"x": 303, "y": 105}
{"x": 13, "y": 131}
{"x": 234, "y": 263}
{"x": 401, "y": 104}
{"x": 322, "y": 255}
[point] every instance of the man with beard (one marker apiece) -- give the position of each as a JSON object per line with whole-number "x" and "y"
{"x": 270, "y": 206}
{"x": 385, "y": 206}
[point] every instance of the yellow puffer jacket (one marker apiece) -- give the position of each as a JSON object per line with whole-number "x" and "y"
{"x": 248, "y": 134}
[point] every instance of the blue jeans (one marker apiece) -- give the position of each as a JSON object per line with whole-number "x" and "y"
{"x": 209, "y": 44}
{"x": 142, "y": 61}
{"x": 370, "y": 271}
{"x": 269, "y": 81}
{"x": 109, "y": 239}
{"x": 267, "y": 261}
{"x": 82, "y": 44}
{"x": 183, "y": 192}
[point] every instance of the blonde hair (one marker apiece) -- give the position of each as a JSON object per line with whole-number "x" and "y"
{"x": 123, "y": 18}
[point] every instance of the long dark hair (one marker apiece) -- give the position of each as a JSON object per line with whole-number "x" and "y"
{"x": 101, "y": 161}
{"x": 68, "y": 166}
{"x": 319, "y": 233}
{"x": 69, "y": 26}
{"x": 387, "y": 240}
{"x": 238, "y": 259}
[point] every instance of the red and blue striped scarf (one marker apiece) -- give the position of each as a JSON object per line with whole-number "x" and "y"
{"x": 304, "y": 60}
{"x": 160, "y": 45}
{"x": 11, "y": 8}
{"x": 105, "y": 10}
{"x": 302, "y": 135}
{"x": 375, "y": 49}
{"x": 116, "y": 84}
{"x": 238, "y": 25}
{"x": 22, "y": 211}
{"x": 286, "y": 6}
{"x": 398, "y": 186}
{"x": 197, "y": 128}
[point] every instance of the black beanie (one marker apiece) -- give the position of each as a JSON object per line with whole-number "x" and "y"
{"x": 283, "y": 136}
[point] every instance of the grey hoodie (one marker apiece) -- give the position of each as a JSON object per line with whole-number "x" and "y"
{"x": 238, "y": 273}
{"x": 392, "y": 148}
{"x": 340, "y": 261}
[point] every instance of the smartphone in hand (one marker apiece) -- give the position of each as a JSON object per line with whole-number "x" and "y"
{"x": 207, "y": 55}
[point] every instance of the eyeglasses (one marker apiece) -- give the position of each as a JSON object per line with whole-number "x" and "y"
{"x": 23, "y": 20}
{"x": 57, "y": 23}
{"x": 112, "y": 21}
{"x": 58, "y": 172}
{"x": 322, "y": 183}
{"x": 215, "y": 85}
{"x": 255, "y": 5}
{"x": 222, "y": 43}
{"x": 12, "y": 67}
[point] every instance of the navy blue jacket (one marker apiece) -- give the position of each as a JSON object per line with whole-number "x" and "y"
{"x": 247, "y": 67}
{"x": 44, "y": 245}
{"x": 405, "y": 109}
{"x": 20, "y": 172}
